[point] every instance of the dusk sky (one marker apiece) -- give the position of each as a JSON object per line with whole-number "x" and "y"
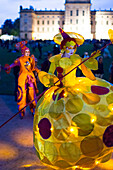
{"x": 9, "y": 9}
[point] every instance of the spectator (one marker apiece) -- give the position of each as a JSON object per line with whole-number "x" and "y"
{"x": 40, "y": 50}
{"x": 0, "y": 70}
{"x": 45, "y": 65}
{"x": 111, "y": 73}
{"x": 86, "y": 55}
{"x": 106, "y": 53}
{"x": 56, "y": 49}
{"x": 100, "y": 72}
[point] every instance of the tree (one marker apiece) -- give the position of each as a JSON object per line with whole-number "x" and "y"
{"x": 8, "y": 25}
{"x": 11, "y": 28}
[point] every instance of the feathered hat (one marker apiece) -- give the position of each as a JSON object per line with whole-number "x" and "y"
{"x": 62, "y": 37}
{"x": 21, "y": 45}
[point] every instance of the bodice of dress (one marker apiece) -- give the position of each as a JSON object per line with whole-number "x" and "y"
{"x": 68, "y": 64}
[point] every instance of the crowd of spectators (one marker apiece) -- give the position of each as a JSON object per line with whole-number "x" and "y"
{"x": 38, "y": 45}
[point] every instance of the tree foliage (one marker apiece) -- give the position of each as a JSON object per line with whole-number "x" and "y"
{"x": 11, "y": 28}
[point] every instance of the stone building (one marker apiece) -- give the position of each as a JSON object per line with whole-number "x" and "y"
{"x": 77, "y": 17}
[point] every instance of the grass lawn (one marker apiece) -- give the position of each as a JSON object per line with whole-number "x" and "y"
{"x": 7, "y": 83}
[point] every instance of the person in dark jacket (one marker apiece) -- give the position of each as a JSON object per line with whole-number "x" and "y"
{"x": 100, "y": 72}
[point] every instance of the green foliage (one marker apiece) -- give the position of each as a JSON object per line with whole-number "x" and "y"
{"x": 11, "y": 28}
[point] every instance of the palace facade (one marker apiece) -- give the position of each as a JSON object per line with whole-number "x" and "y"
{"x": 77, "y": 17}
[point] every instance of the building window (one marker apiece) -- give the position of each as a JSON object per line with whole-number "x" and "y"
{"x": 107, "y": 16}
{"x": 52, "y": 29}
{"x": 48, "y": 29}
{"x": 48, "y": 22}
{"x": 38, "y": 17}
{"x": 91, "y": 22}
{"x": 83, "y": 12}
{"x": 101, "y": 22}
{"x": 52, "y": 16}
{"x": 83, "y": 21}
{"x": 52, "y": 22}
{"x": 25, "y": 14}
{"x": 76, "y": 21}
{"x": 70, "y": 21}
{"x": 25, "y": 21}
{"x": 71, "y": 13}
{"x": 58, "y": 22}
{"x": 38, "y": 22}
{"x": 26, "y": 36}
{"x": 25, "y": 29}
{"x": 43, "y": 22}
{"x": 38, "y": 29}
{"x": 77, "y": 12}
{"x": 106, "y": 22}
{"x": 63, "y": 22}
{"x": 42, "y": 16}
{"x": 43, "y": 29}
{"x": 47, "y": 16}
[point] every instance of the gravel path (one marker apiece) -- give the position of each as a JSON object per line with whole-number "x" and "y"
{"x": 16, "y": 140}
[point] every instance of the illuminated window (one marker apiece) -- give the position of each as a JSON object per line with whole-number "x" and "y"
{"x": 76, "y": 21}
{"x": 83, "y": 13}
{"x": 48, "y": 22}
{"x": 71, "y": 13}
{"x": 38, "y": 22}
{"x": 77, "y": 12}
{"x": 106, "y": 22}
{"x": 70, "y": 21}
{"x": 43, "y": 22}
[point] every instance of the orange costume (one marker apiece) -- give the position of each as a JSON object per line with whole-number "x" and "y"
{"x": 27, "y": 87}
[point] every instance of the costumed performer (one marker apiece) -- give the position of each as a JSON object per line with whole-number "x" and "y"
{"x": 27, "y": 87}
{"x": 73, "y": 121}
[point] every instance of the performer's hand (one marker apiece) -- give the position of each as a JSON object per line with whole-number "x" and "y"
{"x": 7, "y": 68}
{"x": 96, "y": 54}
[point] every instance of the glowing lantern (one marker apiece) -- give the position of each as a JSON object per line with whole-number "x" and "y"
{"x": 72, "y": 132}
